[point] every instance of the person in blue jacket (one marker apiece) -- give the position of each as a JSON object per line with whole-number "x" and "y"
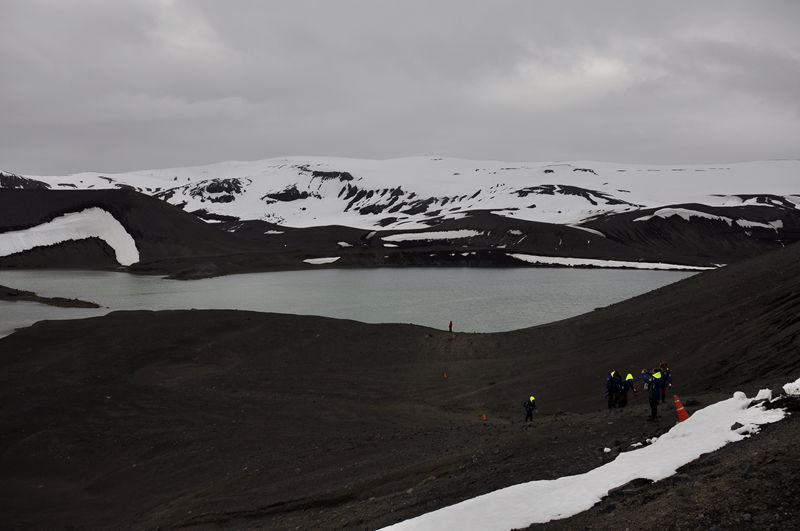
{"x": 613, "y": 388}
{"x": 666, "y": 380}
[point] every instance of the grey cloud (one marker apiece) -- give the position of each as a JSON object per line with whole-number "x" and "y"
{"x": 138, "y": 84}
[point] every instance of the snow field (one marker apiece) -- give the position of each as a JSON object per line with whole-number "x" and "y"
{"x": 89, "y": 223}
{"x": 518, "y": 506}
{"x": 465, "y": 184}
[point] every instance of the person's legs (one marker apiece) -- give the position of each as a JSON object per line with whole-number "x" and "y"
{"x": 654, "y": 408}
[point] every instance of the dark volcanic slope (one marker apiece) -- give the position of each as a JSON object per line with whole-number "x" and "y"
{"x": 200, "y": 419}
{"x": 722, "y": 237}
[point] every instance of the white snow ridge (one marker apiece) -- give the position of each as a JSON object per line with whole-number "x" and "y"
{"x": 541, "y": 501}
{"x": 89, "y": 223}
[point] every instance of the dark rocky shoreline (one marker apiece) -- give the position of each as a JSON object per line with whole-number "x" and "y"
{"x": 13, "y": 295}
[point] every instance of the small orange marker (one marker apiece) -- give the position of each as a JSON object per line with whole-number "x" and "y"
{"x": 682, "y": 414}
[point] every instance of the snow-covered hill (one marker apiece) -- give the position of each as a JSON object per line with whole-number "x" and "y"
{"x": 302, "y": 212}
{"x": 419, "y": 192}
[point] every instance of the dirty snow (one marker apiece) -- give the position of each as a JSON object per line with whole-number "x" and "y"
{"x": 540, "y": 501}
{"x": 90, "y": 223}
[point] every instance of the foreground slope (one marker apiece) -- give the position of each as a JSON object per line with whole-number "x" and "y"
{"x": 226, "y": 419}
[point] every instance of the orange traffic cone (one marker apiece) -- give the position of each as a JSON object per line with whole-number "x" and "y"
{"x": 484, "y": 418}
{"x": 682, "y": 414}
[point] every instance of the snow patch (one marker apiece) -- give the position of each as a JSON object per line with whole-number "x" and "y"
{"x": 90, "y": 223}
{"x": 344, "y": 244}
{"x": 593, "y": 262}
{"x": 587, "y": 229}
{"x": 764, "y": 394}
{"x": 433, "y": 235}
{"x": 683, "y": 213}
{"x": 792, "y": 389}
{"x": 541, "y": 501}
{"x": 274, "y": 232}
{"x": 689, "y": 214}
{"x": 320, "y": 261}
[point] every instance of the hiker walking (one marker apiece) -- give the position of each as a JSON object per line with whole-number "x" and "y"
{"x": 450, "y": 327}
{"x": 627, "y": 386}
{"x": 530, "y": 407}
{"x": 613, "y": 388}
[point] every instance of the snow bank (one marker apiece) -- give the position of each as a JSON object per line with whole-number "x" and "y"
{"x": 593, "y": 262}
{"x": 320, "y": 261}
{"x": 434, "y": 235}
{"x": 541, "y": 501}
{"x": 89, "y": 223}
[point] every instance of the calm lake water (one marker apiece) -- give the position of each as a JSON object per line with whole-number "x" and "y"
{"x": 482, "y": 300}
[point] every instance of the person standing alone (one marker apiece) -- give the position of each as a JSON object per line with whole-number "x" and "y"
{"x": 530, "y": 407}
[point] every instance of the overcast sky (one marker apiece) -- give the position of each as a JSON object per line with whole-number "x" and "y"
{"x": 132, "y": 84}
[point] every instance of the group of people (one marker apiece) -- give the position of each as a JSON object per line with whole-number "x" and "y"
{"x": 655, "y": 383}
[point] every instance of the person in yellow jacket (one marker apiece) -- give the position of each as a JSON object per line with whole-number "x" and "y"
{"x": 530, "y": 407}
